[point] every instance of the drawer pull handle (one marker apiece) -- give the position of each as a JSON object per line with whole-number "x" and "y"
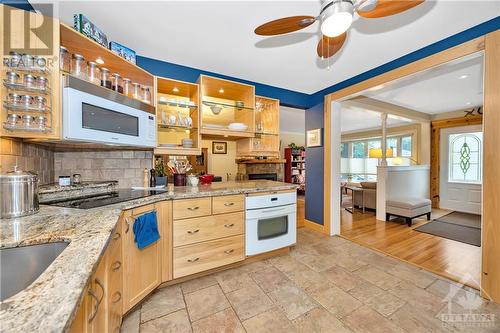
{"x": 116, "y": 266}
{"x": 193, "y": 208}
{"x": 116, "y": 300}
{"x": 228, "y": 204}
{"x": 194, "y": 260}
{"x": 116, "y": 236}
{"x": 229, "y": 251}
{"x": 229, "y": 225}
{"x": 191, "y": 232}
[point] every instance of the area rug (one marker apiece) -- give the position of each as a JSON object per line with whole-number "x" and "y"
{"x": 461, "y": 227}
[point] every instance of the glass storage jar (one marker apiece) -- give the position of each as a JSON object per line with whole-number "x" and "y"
{"x": 27, "y": 61}
{"x": 40, "y": 122}
{"x": 15, "y": 59}
{"x": 64, "y": 59}
{"x": 39, "y": 63}
{"x": 127, "y": 87}
{"x": 27, "y": 120}
{"x": 105, "y": 78}
{"x": 78, "y": 66}
{"x": 146, "y": 95}
{"x": 93, "y": 73}
{"x": 12, "y": 77}
{"x": 26, "y": 100}
{"x": 116, "y": 83}
{"x": 29, "y": 81}
{"x": 41, "y": 82}
{"x": 40, "y": 102}
{"x": 136, "y": 90}
{"x": 14, "y": 98}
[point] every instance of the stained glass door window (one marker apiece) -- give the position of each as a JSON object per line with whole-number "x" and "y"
{"x": 465, "y": 160}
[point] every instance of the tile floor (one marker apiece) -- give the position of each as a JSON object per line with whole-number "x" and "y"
{"x": 325, "y": 284}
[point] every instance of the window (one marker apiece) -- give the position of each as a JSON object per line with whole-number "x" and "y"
{"x": 406, "y": 145}
{"x": 465, "y": 161}
{"x": 344, "y": 150}
{"x": 392, "y": 143}
{"x": 358, "y": 149}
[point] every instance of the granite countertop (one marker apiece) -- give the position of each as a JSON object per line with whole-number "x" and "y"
{"x": 50, "y": 302}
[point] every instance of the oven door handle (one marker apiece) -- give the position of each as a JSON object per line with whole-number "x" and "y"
{"x": 273, "y": 210}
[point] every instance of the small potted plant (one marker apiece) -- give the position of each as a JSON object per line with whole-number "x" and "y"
{"x": 161, "y": 174}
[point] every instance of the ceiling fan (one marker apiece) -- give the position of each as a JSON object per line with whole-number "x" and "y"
{"x": 336, "y": 17}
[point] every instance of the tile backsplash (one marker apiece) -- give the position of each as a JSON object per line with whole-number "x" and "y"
{"x": 28, "y": 157}
{"x": 126, "y": 166}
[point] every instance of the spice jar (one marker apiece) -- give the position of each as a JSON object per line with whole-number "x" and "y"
{"x": 146, "y": 95}
{"x": 116, "y": 83}
{"x": 27, "y": 120}
{"x": 12, "y": 119}
{"x": 39, "y": 62}
{"x": 12, "y": 77}
{"x": 27, "y": 61}
{"x": 41, "y": 82}
{"x": 40, "y": 122}
{"x": 136, "y": 90}
{"x": 15, "y": 59}
{"x": 78, "y": 66}
{"x": 39, "y": 102}
{"x": 64, "y": 59}
{"x": 105, "y": 78}
{"x": 27, "y": 100}
{"x": 29, "y": 81}
{"x": 14, "y": 98}
{"x": 127, "y": 87}
{"x": 93, "y": 74}
{"x": 77, "y": 178}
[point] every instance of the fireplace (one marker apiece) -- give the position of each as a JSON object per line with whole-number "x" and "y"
{"x": 266, "y": 176}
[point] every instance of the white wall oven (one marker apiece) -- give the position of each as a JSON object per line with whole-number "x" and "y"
{"x": 95, "y": 114}
{"x": 271, "y": 222}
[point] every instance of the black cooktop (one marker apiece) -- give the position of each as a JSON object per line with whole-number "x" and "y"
{"x": 104, "y": 199}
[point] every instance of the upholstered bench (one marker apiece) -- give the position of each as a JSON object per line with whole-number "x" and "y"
{"x": 408, "y": 208}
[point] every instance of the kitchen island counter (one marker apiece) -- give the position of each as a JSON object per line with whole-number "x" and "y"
{"x": 50, "y": 302}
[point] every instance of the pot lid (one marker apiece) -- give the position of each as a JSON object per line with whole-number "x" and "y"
{"x": 18, "y": 174}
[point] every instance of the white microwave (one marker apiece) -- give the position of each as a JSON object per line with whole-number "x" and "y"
{"x": 98, "y": 115}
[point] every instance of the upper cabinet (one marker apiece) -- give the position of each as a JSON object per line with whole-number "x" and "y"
{"x": 227, "y": 108}
{"x": 177, "y": 116}
{"x": 29, "y": 73}
{"x": 266, "y": 141}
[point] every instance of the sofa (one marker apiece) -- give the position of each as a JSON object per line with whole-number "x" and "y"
{"x": 370, "y": 189}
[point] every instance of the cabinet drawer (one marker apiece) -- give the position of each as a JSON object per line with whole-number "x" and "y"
{"x": 228, "y": 204}
{"x": 187, "y": 208}
{"x": 206, "y": 228}
{"x": 200, "y": 257}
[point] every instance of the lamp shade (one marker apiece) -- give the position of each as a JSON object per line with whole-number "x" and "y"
{"x": 377, "y": 152}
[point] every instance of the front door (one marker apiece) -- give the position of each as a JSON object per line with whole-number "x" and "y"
{"x": 461, "y": 159}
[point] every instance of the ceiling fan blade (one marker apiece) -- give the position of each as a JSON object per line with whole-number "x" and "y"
{"x": 389, "y": 7}
{"x": 284, "y": 25}
{"x": 328, "y": 46}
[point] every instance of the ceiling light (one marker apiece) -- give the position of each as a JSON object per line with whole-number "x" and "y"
{"x": 336, "y": 17}
{"x": 461, "y": 77}
{"x": 99, "y": 61}
{"x": 468, "y": 103}
{"x": 175, "y": 89}
{"x": 221, "y": 91}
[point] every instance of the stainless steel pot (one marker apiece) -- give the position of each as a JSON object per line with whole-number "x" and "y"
{"x": 19, "y": 193}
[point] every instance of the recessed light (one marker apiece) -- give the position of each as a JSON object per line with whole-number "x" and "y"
{"x": 99, "y": 61}
{"x": 221, "y": 91}
{"x": 461, "y": 77}
{"x": 468, "y": 103}
{"x": 175, "y": 89}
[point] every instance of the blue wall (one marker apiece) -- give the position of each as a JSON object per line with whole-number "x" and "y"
{"x": 315, "y": 158}
{"x": 184, "y": 73}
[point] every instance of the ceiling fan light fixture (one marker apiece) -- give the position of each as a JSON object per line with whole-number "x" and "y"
{"x": 336, "y": 17}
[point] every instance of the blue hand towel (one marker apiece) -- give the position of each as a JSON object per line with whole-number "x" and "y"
{"x": 146, "y": 230}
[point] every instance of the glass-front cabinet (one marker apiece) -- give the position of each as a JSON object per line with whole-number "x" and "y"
{"x": 227, "y": 108}
{"x": 266, "y": 140}
{"x": 177, "y": 116}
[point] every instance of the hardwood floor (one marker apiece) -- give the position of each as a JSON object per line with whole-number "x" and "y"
{"x": 300, "y": 211}
{"x": 457, "y": 261}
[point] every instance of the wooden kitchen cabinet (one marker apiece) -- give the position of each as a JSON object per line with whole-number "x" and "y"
{"x": 143, "y": 269}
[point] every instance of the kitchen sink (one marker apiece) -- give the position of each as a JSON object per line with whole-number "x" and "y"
{"x": 20, "y": 266}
